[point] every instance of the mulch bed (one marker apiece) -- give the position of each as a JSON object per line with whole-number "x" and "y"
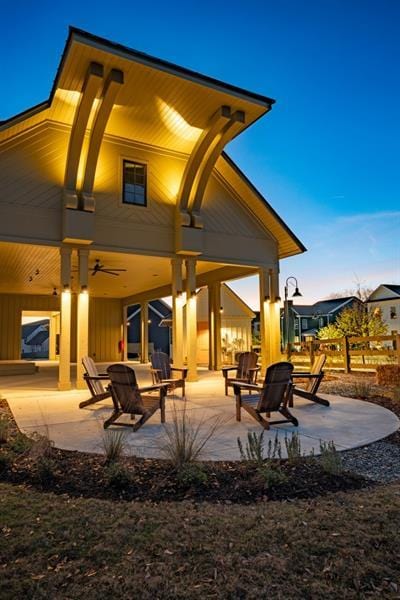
{"x": 87, "y": 475}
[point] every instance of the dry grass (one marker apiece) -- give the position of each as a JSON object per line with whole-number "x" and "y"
{"x": 57, "y": 547}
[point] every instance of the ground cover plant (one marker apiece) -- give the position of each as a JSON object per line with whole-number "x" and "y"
{"x": 61, "y": 547}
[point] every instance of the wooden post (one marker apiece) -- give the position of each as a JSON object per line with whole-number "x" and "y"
{"x": 346, "y": 355}
{"x": 398, "y": 348}
{"x": 311, "y": 351}
{"x": 144, "y": 332}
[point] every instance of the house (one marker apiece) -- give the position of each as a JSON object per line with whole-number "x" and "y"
{"x": 35, "y": 339}
{"x": 159, "y": 324}
{"x": 306, "y": 320}
{"x": 116, "y": 191}
{"x": 236, "y": 318}
{"x": 386, "y": 300}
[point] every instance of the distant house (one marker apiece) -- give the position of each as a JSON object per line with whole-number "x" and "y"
{"x": 35, "y": 339}
{"x": 306, "y": 320}
{"x": 386, "y": 300}
{"x": 160, "y": 316}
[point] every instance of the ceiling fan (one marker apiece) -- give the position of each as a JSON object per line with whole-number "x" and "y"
{"x": 99, "y": 268}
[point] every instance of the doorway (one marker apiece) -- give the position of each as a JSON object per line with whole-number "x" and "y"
{"x": 40, "y": 335}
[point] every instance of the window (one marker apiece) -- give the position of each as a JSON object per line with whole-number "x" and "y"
{"x": 304, "y": 323}
{"x": 321, "y": 322}
{"x": 134, "y": 183}
{"x": 393, "y": 313}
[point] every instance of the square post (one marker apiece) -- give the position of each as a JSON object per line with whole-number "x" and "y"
{"x": 144, "y": 332}
{"x": 64, "y": 367}
{"x": 214, "y": 325}
{"x": 82, "y": 320}
{"x": 191, "y": 319}
{"x": 177, "y": 312}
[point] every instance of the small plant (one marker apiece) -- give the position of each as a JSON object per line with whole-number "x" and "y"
{"x": 191, "y": 474}
{"x": 5, "y": 461}
{"x": 117, "y": 476}
{"x": 330, "y": 458}
{"x": 45, "y": 468}
{"x": 254, "y": 451}
{"x": 4, "y": 429}
{"x": 361, "y": 389}
{"x": 293, "y": 447}
{"x": 396, "y": 394}
{"x": 272, "y": 475}
{"x": 113, "y": 443}
{"x": 20, "y": 443}
{"x": 41, "y": 445}
{"x": 185, "y": 440}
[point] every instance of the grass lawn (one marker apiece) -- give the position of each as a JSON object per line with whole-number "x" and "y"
{"x": 343, "y": 545}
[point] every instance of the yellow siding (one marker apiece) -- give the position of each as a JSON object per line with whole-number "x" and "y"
{"x": 105, "y": 320}
{"x": 11, "y": 307}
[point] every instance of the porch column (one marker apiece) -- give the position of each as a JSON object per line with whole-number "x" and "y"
{"x": 82, "y": 320}
{"x": 53, "y": 330}
{"x": 64, "y": 367}
{"x": 191, "y": 319}
{"x": 124, "y": 328}
{"x": 214, "y": 326}
{"x": 177, "y": 312}
{"x": 275, "y": 317}
{"x": 265, "y": 300}
{"x": 144, "y": 332}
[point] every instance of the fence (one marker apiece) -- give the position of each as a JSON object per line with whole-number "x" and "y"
{"x": 348, "y": 353}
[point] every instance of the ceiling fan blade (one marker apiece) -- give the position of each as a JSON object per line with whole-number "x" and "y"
{"x": 118, "y": 269}
{"x": 109, "y": 272}
{"x": 94, "y": 272}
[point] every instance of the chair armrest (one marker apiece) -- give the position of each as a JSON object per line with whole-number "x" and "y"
{"x": 96, "y": 377}
{"x": 254, "y": 369}
{"x": 306, "y": 375}
{"x": 247, "y": 386}
{"x": 152, "y": 388}
{"x": 184, "y": 371}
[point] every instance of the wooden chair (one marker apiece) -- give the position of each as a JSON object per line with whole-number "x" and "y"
{"x": 163, "y": 372}
{"x": 246, "y": 370}
{"x": 94, "y": 382}
{"x": 129, "y": 399}
{"x": 272, "y": 396}
{"x": 314, "y": 378}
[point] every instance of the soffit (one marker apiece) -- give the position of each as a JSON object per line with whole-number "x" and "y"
{"x": 27, "y": 269}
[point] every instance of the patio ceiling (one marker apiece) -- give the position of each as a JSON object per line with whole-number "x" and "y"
{"x": 28, "y": 269}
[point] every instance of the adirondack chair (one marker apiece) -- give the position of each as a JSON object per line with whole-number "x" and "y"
{"x": 272, "y": 396}
{"x": 129, "y": 399}
{"x": 246, "y": 370}
{"x": 163, "y": 372}
{"x": 94, "y": 382}
{"x": 314, "y": 378}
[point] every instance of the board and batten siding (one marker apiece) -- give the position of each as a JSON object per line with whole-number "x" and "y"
{"x": 11, "y": 307}
{"x": 105, "y": 329}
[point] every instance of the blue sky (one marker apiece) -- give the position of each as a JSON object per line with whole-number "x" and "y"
{"x": 326, "y": 157}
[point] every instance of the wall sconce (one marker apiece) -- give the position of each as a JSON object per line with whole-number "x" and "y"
{"x": 149, "y": 321}
{"x": 277, "y": 299}
{"x": 267, "y": 298}
{"x": 221, "y": 309}
{"x": 193, "y": 293}
{"x": 54, "y": 292}
{"x": 84, "y": 289}
{"x": 179, "y": 293}
{"x": 66, "y": 287}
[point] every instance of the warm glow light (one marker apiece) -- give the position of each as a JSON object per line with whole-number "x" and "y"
{"x": 176, "y": 123}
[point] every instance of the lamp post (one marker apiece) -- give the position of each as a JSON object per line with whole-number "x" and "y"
{"x": 296, "y": 293}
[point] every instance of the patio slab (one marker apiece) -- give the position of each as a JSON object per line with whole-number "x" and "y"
{"x": 37, "y": 405}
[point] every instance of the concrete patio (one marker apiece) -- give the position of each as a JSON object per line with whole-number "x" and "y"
{"x": 37, "y": 405}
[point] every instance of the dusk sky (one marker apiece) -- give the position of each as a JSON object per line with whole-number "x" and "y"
{"x": 326, "y": 157}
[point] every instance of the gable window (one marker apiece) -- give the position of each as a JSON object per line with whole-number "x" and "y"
{"x": 393, "y": 313}
{"x": 134, "y": 183}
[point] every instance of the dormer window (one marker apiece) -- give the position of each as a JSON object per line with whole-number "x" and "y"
{"x": 134, "y": 183}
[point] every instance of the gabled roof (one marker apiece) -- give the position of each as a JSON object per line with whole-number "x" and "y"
{"x": 29, "y": 328}
{"x": 324, "y": 307}
{"x": 393, "y": 289}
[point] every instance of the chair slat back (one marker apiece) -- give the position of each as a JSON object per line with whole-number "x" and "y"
{"x": 160, "y": 362}
{"x": 96, "y": 387}
{"x": 318, "y": 365}
{"x": 276, "y": 385}
{"x": 124, "y": 389}
{"x": 246, "y": 361}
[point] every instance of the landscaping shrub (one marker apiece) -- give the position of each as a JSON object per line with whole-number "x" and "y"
{"x": 117, "y": 476}
{"x": 5, "y": 461}
{"x": 113, "y": 444}
{"x": 45, "y": 469}
{"x": 185, "y": 441}
{"x": 41, "y": 445}
{"x": 360, "y": 389}
{"x": 293, "y": 447}
{"x": 20, "y": 443}
{"x": 330, "y": 459}
{"x": 388, "y": 375}
{"x": 192, "y": 474}
{"x": 254, "y": 451}
{"x": 4, "y": 429}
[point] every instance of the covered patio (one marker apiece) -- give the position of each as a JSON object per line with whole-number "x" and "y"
{"x": 38, "y": 405}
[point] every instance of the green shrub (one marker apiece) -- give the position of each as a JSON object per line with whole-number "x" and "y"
{"x": 20, "y": 443}
{"x": 117, "y": 476}
{"x": 272, "y": 475}
{"x": 254, "y": 450}
{"x": 113, "y": 443}
{"x": 191, "y": 474}
{"x": 4, "y": 429}
{"x": 360, "y": 389}
{"x": 45, "y": 469}
{"x": 5, "y": 461}
{"x": 330, "y": 459}
{"x": 293, "y": 447}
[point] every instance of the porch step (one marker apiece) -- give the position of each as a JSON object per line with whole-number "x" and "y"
{"x": 17, "y": 367}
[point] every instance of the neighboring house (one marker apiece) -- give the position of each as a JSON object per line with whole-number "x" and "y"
{"x": 236, "y": 318}
{"x": 159, "y": 327}
{"x": 386, "y": 300}
{"x": 35, "y": 339}
{"x": 116, "y": 191}
{"x": 306, "y": 320}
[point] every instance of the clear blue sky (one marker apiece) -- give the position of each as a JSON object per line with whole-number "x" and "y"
{"x": 326, "y": 157}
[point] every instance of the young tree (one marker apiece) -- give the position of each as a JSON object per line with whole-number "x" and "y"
{"x": 355, "y": 321}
